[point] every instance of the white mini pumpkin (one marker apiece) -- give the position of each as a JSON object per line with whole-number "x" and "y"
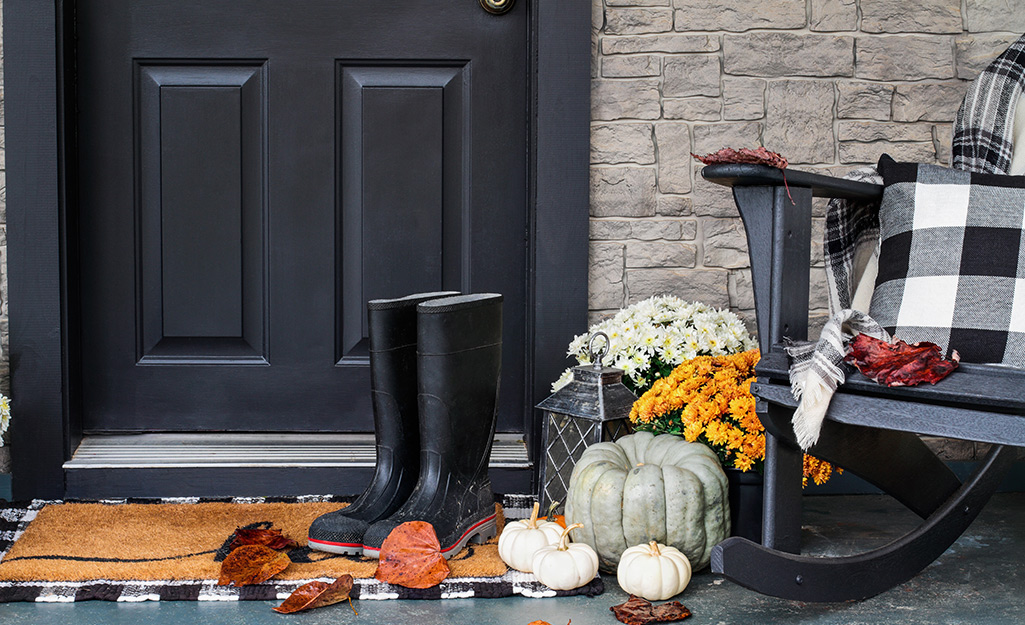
{"x": 520, "y": 540}
{"x": 565, "y": 566}
{"x": 653, "y": 571}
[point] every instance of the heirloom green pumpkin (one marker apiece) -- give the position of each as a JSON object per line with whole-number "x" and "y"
{"x": 645, "y": 488}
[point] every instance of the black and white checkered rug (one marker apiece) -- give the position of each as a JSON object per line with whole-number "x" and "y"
{"x": 15, "y": 517}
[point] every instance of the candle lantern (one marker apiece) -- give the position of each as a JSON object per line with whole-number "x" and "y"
{"x": 593, "y": 407}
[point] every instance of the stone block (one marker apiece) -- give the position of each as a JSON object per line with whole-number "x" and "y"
{"x": 818, "y": 292}
{"x": 622, "y": 191}
{"x": 936, "y": 102}
{"x": 605, "y": 286}
{"x": 702, "y": 285}
{"x": 799, "y": 120}
{"x": 597, "y": 14}
{"x": 725, "y": 243}
{"x": 974, "y": 52}
{"x": 668, "y": 44}
{"x": 692, "y": 109}
{"x": 857, "y": 152}
{"x": 631, "y": 66}
{"x": 639, "y": 229}
{"x": 634, "y": 98}
{"x": 991, "y": 15}
{"x": 742, "y": 294}
{"x": 638, "y": 3}
{"x": 875, "y": 131}
{"x": 710, "y": 199}
{"x": 834, "y": 15}
{"x": 863, "y": 100}
{"x": 595, "y": 57}
{"x": 636, "y": 21}
{"x": 905, "y": 57}
{"x": 644, "y": 254}
{"x": 942, "y": 140}
{"x": 713, "y": 137}
{"x": 673, "y": 144}
{"x": 818, "y": 232}
{"x": 739, "y": 15}
{"x": 628, "y": 142}
{"x": 691, "y": 74}
{"x": 925, "y": 16}
{"x": 674, "y": 206}
{"x": 773, "y": 54}
{"x": 688, "y": 229}
{"x": 743, "y": 98}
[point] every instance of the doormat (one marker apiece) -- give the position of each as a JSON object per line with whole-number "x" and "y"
{"x": 170, "y": 550}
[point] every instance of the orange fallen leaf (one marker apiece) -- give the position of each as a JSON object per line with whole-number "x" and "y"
{"x": 270, "y": 537}
{"x": 252, "y": 564}
{"x": 411, "y": 557}
{"x": 317, "y": 595}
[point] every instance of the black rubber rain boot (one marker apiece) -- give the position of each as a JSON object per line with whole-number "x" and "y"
{"x": 392, "y": 329}
{"x": 459, "y": 360}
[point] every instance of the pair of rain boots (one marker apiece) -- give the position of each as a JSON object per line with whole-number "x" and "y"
{"x": 435, "y": 361}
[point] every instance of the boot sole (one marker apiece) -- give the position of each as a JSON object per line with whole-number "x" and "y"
{"x": 345, "y": 549}
{"x": 480, "y": 532}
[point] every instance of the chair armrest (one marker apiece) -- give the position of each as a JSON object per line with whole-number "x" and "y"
{"x": 747, "y": 174}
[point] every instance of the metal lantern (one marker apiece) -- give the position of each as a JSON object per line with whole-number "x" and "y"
{"x": 593, "y": 407}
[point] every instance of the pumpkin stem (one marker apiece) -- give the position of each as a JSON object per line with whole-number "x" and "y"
{"x": 551, "y": 510}
{"x": 532, "y": 523}
{"x": 563, "y": 540}
{"x": 653, "y": 546}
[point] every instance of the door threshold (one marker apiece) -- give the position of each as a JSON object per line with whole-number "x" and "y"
{"x": 252, "y": 451}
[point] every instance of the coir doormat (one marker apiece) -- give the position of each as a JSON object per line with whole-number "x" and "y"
{"x": 170, "y": 550}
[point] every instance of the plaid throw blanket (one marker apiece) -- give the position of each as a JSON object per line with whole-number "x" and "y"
{"x": 983, "y": 143}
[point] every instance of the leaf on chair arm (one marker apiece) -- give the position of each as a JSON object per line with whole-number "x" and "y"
{"x": 759, "y": 156}
{"x": 900, "y": 364}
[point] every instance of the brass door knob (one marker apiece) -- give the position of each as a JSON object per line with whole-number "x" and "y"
{"x": 497, "y": 7}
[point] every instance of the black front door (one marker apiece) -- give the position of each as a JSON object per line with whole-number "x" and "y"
{"x": 252, "y": 172}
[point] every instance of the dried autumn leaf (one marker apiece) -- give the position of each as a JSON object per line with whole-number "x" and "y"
{"x": 411, "y": 557}
{"x": 637, "y": 611}
{"x": 252, "y": 564}
{"x": 269, "y": 537}
{"x": 900, "y": 364}
{"x": 317, "y": 595}
{"x": 759, "y": 156}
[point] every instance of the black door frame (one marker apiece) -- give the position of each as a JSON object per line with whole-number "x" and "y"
{"x": 46, "y": 427}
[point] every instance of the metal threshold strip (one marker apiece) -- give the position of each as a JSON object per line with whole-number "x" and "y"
{"x": 181, "y": 451}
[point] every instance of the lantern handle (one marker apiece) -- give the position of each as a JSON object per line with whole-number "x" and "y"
{"x": 596, "y": 356}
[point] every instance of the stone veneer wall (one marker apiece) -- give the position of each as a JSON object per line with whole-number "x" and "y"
{"x": 829, "y": 84}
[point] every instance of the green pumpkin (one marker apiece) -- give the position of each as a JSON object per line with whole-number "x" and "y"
{"x": 645, "y": 488}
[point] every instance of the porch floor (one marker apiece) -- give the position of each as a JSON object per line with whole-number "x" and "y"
{"x": 979, "y": 580}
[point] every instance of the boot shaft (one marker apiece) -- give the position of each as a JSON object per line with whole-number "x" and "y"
{"x": 459, "y": 362}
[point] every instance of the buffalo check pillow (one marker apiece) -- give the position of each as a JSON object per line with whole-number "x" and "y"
{"x": 952, "y": 260}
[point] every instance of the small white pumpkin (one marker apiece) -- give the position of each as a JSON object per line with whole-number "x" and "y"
{"x": 653, "y": 571}
{"x": 565, "y": 566}
{"x": 520, "y": 540}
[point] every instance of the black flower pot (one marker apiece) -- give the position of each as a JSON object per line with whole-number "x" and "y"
{"x": 745, "y": 504}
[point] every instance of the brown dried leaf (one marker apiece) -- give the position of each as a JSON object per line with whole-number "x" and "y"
{"x": 759, "y": 156}
{"x": 317, "y": 595}
{"x": 269, "y": 537}
{"x": 900, "y": 364}
{"x": 252, "y": 564}
{"x": 637, "y": 611}
{"x": 411, "y": 557}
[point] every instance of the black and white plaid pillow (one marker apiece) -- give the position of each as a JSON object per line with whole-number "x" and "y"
{"x": 952, "y": 260}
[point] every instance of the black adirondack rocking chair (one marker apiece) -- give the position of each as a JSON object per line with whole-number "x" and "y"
{"x": 870, "y": 430}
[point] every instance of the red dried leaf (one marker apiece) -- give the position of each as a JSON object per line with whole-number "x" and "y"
{"x": 758, "y": 156}
{"x": 317, "y": 595}
{"x": 900, "y": 364}
{"x": 268, "y": 537}
{"x": 411, "y": 557}
{"x": 637, "y": 611}
{"x": 252, "y": 564}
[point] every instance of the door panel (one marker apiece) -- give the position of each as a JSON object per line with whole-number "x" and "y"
{"x": 251, "y": 173}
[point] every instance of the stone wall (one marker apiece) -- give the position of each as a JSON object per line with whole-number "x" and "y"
{"x": 830, "y": 84}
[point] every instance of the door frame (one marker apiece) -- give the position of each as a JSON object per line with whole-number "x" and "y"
{"x": 44, "y": 332}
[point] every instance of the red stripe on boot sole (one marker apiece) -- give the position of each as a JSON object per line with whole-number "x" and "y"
{"x": 328, "y": 542}
{"x": 461, "y": 536}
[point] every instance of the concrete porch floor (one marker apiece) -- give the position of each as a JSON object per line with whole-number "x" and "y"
{"x": 979, "y": 580}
